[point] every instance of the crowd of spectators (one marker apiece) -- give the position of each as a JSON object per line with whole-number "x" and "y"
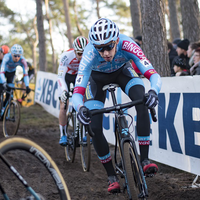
{"x": 184, "y": 57}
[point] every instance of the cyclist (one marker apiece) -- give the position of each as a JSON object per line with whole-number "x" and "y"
{"x": 8, "y": 68}
{"x": 4, "y": 49}
{"x": 67, "y": 70}
{"x": 106, "y": 60}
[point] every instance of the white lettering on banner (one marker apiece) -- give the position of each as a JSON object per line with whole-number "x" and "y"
{"x": 46, "y": 92}
{"x": 175, "y": 138}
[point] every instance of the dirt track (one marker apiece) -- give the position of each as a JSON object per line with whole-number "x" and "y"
{"x": 42, "y": 128}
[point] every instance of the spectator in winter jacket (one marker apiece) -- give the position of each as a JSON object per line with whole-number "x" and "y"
{"x": 181, "y": 50}
{"x": 172, "y": 54}
{"x": 191, "y": 50}
{"x": 180, "y": 67}
{"x": 195, "y": 69}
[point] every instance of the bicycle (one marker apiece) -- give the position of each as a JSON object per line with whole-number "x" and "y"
{"x": 76, "y": 133}
{"x": 25, "y": 161}
{"x": 10, "y": 112}
{"x": 126, "y": 159}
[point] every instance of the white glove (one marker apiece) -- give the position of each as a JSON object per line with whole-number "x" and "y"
{"x": 64, "y": 96}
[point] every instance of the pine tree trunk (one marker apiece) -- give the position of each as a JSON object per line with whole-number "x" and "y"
{"x": 54, "y": 67}
{"x": 174, "y": 25}
{"x": 40, "y": 27}
{"x": 68, "y": 23}
{"x": 154, "y": 35}
{"x": 190, "y": 19}
{"x": 136, "y": 17}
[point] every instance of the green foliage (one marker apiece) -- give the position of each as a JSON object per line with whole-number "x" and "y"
{"x": 5, "y": 11}
{"x": 22, "y": 31}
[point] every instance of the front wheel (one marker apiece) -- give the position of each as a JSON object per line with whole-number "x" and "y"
{"x": 70, "y": 149}
{"x": 11, "y": 119}
{"x": 85, "y": 148}
{"x": 38, "y": 174}
{"x": 134, "y": 176}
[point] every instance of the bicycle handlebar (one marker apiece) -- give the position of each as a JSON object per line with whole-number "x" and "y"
{"x": 118, "y": 107}
{"x": 17, "y": 88}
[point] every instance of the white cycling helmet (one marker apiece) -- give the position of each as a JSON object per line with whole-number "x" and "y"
{"x": 16, "y": 49}
{"x": 103, "y": 31}
{"x": 80, "y": 43}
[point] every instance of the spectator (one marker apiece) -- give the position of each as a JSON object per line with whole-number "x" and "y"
{"x": 191, "y": 50}
{"x": 181, "y": 50}
{"x": 195, "y": 69}
{"x": 4, "y": 49}
{"x": 175, "y": 42}
{"x": 180, "y": 67}
{"x": 138, "y": 40}
{"x": 172, "y": 54}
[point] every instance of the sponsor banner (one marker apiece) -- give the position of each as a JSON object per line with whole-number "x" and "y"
{"x": 174, "y": 138}
{"x": 46, "y": 92}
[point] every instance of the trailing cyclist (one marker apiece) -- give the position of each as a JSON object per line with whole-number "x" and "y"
{"x": 8, "y": 68}
{"x": 67, "y": 71}
{"x": 106, "y": 60}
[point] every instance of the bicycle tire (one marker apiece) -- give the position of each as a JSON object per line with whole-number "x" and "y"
{"x": 22, "y": 153}
{"x": 70, "y": 149}
{"x": 85, "y": 148}
{"x": 11, "y": 119}
{"x": 133, "y": 175}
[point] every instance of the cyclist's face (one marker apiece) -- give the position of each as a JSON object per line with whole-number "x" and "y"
{"x": 16, "y": 57}
{"x": 78, "y": 54}
{"x": 106, "y": 53}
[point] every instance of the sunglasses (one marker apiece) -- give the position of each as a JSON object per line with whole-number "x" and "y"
{"x": 17, "y": 56}
{"x": 79, "y": 53}
{"x": 105, "y": 48}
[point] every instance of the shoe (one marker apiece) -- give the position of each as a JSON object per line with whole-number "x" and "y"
{"x": 114, "y": 186}
{"x": 149, "y": 169}
{"x": 63, "y": 140}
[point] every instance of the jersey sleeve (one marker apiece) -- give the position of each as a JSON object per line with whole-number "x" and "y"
{"x": 62, "y": 69}
{"x": 132, "y": 51}
{"x": 83, "y": 75}
{"x": 3, "y": 68}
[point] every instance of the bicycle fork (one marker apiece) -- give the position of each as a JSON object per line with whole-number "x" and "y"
{"x": 123, "y": 136}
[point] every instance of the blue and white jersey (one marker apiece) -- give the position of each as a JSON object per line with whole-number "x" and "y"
{"x": 126, "y": 50}
{"x": 8, "y": 65}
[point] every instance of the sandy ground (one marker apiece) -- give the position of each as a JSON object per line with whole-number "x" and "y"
{"x": 41, "y": 127}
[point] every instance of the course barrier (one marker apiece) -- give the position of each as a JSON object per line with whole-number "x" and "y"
{"x": 175, "y": 138}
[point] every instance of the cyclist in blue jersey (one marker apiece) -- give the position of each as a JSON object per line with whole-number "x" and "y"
{"x": 106, "y": 60}
{"x": 8, "y": 67}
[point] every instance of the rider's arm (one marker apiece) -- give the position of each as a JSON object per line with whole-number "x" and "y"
{"x": 3, "y": 68}
{"x": 83, "y": 75}
{"x": 62, "y": 69}
{"x": 25, "y": 71}
{"x": 132, "y": 51}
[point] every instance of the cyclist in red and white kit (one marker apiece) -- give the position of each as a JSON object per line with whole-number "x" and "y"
{"x": 67, "y": 71}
